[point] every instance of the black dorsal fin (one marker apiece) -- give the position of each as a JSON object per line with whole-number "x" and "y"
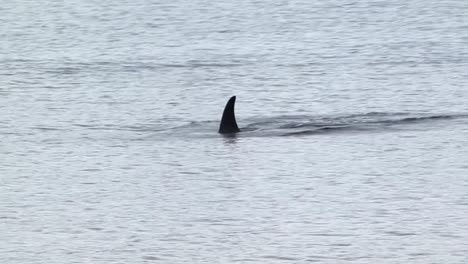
{"x": 228, "y": 121}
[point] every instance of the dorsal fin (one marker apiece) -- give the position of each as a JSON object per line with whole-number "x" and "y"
{"x": 228, "y": 121}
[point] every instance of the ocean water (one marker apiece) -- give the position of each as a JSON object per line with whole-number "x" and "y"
{"x": 354, "y": 145}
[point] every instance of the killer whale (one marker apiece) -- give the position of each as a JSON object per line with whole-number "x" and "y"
{"x": 304, "y": 125}
{"x": 228, "y": 123}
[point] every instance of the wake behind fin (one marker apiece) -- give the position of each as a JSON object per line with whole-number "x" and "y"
{"x": 228, "y": 121}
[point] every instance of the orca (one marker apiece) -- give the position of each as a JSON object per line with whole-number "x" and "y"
{"x": 228, "y": 123}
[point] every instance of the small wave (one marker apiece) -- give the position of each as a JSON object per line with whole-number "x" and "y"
{"x": 423, "y": 118}
{"x": 43, "y": 128}
{"x": 400, "y": 233}
{"x": 365, "y": 122}
{"x": 373, "y": 121}
{"x": 321, "y": 130}
{"x": 281, "y": 258}
{"x": 201, "y": 65}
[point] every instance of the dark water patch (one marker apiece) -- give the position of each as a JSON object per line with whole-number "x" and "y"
{"x": 317, "y": 259}
{"x": 17, "y": 60}
{"x": 281, "y": 258}
{"x": 91, "y": 170}
{"x": 302, "y": 125}
{"x": 340, "y": 245}
{"x": 112, "y": 127}
{"x": 322, "y": 130}
{"x": 400, "y": 233}
{"x": 151, "y": 258}
{"x": 225, "y": 31}
{"x": 331, "y": 235}
{"x": 43, "y": 128}
{"x": 420, "y": 254}
{"x": 96, "y": 228}
{"x": 199, "y": 64}
{"x": 243, "y": 260}
{"x": 133, "y": 66}
{"x": 374, "y": 121}
{"x": 8, "y": 217}
{"x": 64, "y": 70}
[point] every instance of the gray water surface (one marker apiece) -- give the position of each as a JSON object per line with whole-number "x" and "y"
{"x": 353, "y": 150}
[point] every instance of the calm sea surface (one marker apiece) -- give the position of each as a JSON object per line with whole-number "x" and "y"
{"x": 354, "y": 150}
